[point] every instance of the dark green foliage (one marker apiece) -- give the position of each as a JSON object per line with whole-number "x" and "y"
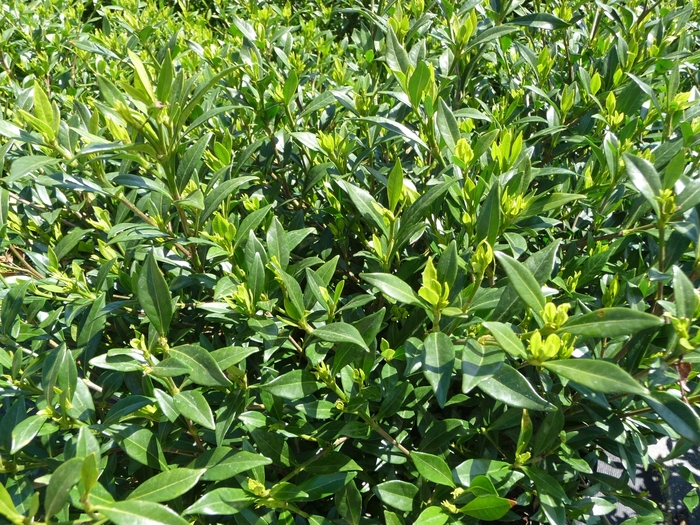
{"x": 351, "y": 263}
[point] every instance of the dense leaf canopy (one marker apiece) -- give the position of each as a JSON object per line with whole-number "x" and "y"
{"x": 345, "y": 262}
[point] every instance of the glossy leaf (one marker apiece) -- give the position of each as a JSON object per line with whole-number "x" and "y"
{"x": 140, "y": 513}
{"x": 479, "y": 363}
{"x": 192, "y": 405}
{"x": 433, "y": 468}
{"x": 645, "y": 178}
{"x": 488, "y": 508}
{"x": 507, "y": 339}
{"x": 167, "y": 485}
{"x": 438, "y": 362}
{"x": 510, "y": 387}
{"x": 340, "y": 333}
{"x": 523, "y": 281}
{"x": 680, "y": 417}
{"x": 292, "y": 385}
{"x": 610, "y": 322}
{"x": 397, "y": 494}
{"x": 393, "y": 287}
{"x": 599, "y": 376}
{"x": 62, "y": 481}
{"x": 154, "y": 295}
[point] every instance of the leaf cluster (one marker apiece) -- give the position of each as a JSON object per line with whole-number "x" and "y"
{"x": 345, "y": 262}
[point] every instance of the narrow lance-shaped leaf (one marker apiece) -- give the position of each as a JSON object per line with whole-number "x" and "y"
{"x": 479, "y": 363}
{"x": 610, "y": 322}
{"x": 167, "y": 485}
{"x": 523, "y": 281}
{"x": 340, "y": 333}
{"x": 509, "y": 386}
{"x": 433, "y": 468}
{"x": 644, "y": 177}
{"x": 393, "y": 287}
{"x": 599, "y": 376}
{"x": 193, "y": 405}
{"x": 680, "y": 417}
{"x": 438, "y": 362}
{"x": 394, "y": 187}
{"x": 154, "y": 295}
{"x": 292, "y": 385}
{"x": 64, "y": 478}
{"x": 507, "y": 339}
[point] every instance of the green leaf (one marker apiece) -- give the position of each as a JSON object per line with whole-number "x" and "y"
{"x": 222, "y": 501}
{"x": 488, "y": 222}
{"x": 417, "y": 82}
{"x": 292, "y": 385}
{"x": 348, "y": 501}
{"x": 63, "y": 479}
{"x": 215, "y": 196}
{"x": 203, "y": 368}
{"x": 290, "y": 86}
{"x": 192, "y": 405}
{"x": 541, "y": 265}
{"x": 448, "y": 264}
{"x": 679, "y": 415}
{"x": 393, "y": 287}
{"x": 284, "y": 491}
{"x": 644, "y": 177}
{"x": 142, "y": 75}
{"x": 539, "y": 21}
{"x": 12, "y": 305}
{"x": 482, "y": 486}
{"x": 684, "y": 294}
{"x": 251, "y": 222}
{"x": 29, "y": 164}
{"x": 545, "y": 483}
{"x": 365, "y": 204}
{"x": 438, "y": 362}
{"x": 610, "y": 322}
{"x": 433, "y": 468}
{"x": 487, "y": 508}
{"x": 523, "y": 281}
{"x": 7, "y": 507}
{"x": 223, "y": 463}
{"x": 689, "y": 197}
{"x": 140, "y": 513}
{"x": 599, "y": 376}
{"x": 465, "y": 473}
{"x": 277, "y": 245}
{"x": 323, "y": 485}
{"x": 154, "y": 295}
{"x": 507, "y": 339}
{"x": 432, "y": 516}
{"x": 396, "y": 56}
{"x": 553, "y": 508}
{"x": 549, "y": 202}
{"x": 394, "y": 187}
{"x": 415, "y": 213}
{"x": 191, "y": 161}
{"x": 141, "y": 445}
{"x": 294, "y": 298}
{"x": 340, "y": 333}
{"x": 397, "y": 494}
{"x": 125, "y": 407}
{"x": 479, "y": 363}
{"x": 43, "y": 110}
{"x": 447, "y": 125}
{"x": 509, "y": 386}
{"x": 25, "y": 431}
{"x": 167, "y": 485}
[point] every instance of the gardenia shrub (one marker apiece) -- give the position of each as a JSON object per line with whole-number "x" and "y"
{"x": 344, "y": 262}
